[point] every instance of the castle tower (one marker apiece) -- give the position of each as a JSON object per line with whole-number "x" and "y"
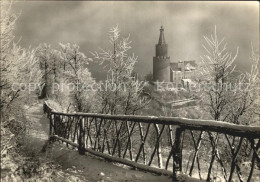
{"x": 161, "y": 61}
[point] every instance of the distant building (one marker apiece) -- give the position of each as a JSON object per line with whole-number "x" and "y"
{"x": 166, "y": 71}
{"x": 182, "y": 70}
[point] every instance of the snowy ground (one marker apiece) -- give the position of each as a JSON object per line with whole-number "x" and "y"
{"x": 83, "y": 168}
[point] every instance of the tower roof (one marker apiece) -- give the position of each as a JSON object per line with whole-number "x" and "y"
{"x": 161, "y": 38}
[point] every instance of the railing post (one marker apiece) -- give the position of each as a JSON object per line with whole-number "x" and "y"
{"x": 51, "y": 118}
{"x": 81, "y": 139}
{"x": 52, "y": 126}
{"x": 55, "y": 123}
{"x": 87, "y": 124}
{"x": 177, "y": 153}
{"x": 44, "y": 107}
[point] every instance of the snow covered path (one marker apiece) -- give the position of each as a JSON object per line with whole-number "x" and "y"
{"x": 86, "y": 167}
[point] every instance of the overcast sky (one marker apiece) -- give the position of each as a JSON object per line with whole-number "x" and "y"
{"x": 87, "y": 23}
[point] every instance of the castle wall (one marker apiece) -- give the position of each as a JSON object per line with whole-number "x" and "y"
{"x": 161, "y": 69}
{"x": 176, "y": 76}
{"x": 190, "y": 74}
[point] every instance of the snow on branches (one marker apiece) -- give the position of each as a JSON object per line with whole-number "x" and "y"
{"x": 120, "y": 74}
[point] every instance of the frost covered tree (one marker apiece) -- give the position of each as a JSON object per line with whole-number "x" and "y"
{"x": 244, "y": 98}
{"x": 8, "y": 20}
{"x": 78, "y": 77}
{"x": 242, "y": 110}
{"x": 217, "y": 66}
{"x": 49, "y": 67}
{"x": 20, "y": 74}
{"x": 224, "y": 98}
{"x": 122, "y": 93}
{"x": 18, "y": 65}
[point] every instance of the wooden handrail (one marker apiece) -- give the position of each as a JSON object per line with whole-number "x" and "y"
{"x": 193, "y": 124}
{"x": 92, "y": 132}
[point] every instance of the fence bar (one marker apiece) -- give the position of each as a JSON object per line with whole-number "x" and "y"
{"x": 119, "y": 160}
{"x": 177, "y": 153}
{"x": 81, "y": 138}
{"x": 51, "y": 124}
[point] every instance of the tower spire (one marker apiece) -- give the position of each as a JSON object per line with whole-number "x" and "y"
{"x": 161, "y": 38}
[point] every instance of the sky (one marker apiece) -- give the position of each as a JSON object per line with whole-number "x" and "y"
{"x": 87, "y": 23}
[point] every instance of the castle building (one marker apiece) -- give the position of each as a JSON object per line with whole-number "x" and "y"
{"x": 182, "y": 70}
{"x": 161, "y": 60}
{"x": 166, "y": 71}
